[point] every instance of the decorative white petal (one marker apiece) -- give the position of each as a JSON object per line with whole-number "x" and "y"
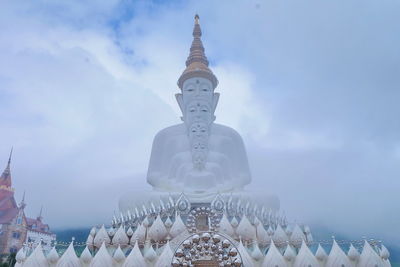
{"x": 69, "y": 258}
{"x": 246, "y": 258}
{"x": 262, "y": 235}
{"x": 168, "y": 223}
{"x": 245, "y": 229}
{"x": 353, "y": 253}
{"x": 120, "y": 237}
{"x": 129, "y": 233}
{"x": 101, "y": 237}
{"x": 37, "y": 258}
{"x": 337, "y": 257}
{"x": 119, "y": 255}
{"x": 149, "y": 253}
{"x": 321, "y": 254}
{"x": 369, "y": 257}
{"x": 86, "y": 256}
{"x": 158, "y": 231}
{"x": 274, "y": 258}
{"x": 297, "y": 236}
{"x": 93, "y": 231}
{"x": 165, "y": 258}
{"x": 225, "y": 226}
{"x": 135, "y": 258}
{"x": 178, "y": 227}
{"x": 256, "y": 252}
{"x": 289, "y": 254}
{"x": 102, "y": 258}
{"x": 21, "y": 256}
{"x": 280, "y": 238}
{"x": 384, "y": 253}
{"x": 305, "y": 258}
{"x": 234, "y": 222}
{"x": 139, "y": 235}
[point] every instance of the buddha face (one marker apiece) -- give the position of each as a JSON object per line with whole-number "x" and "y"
{"x": 198, "y": 130}
{"x": 198, "y": 111}
{"x": 199, "y": 153}
{"x": 197, "y": 88}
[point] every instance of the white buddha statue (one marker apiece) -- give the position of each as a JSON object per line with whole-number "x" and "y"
{"x": 198, "y": 155}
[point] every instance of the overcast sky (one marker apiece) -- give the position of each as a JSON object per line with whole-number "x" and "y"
{"x": 313, "y": 87}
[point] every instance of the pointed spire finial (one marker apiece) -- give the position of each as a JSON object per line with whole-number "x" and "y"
{"x": 22, "y": 204}
{"x": 9, "y": 158}
{"x": 40, "y": 213}
{"x": 196, "y": 19}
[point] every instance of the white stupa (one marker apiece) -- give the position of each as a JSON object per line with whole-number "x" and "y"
{"x": 199, "y": 213}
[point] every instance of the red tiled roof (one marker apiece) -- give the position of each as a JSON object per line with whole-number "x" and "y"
{"x": 40, "y": 226}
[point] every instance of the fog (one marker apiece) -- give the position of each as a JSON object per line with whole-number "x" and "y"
{"x": 313, "y": 87}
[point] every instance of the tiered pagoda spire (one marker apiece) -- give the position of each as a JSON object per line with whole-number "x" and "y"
{"x": 197, "y": 62}
{"x": 5, "y": 178}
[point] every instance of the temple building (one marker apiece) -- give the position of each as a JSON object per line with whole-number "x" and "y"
{"x": 199, "y": 212}
{"x": 15, "y": 228}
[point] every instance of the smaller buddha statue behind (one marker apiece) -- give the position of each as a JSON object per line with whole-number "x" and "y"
{"x": 198, "y": 155}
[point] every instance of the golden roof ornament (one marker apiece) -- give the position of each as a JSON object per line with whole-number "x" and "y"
{"x": 197, "y": 62}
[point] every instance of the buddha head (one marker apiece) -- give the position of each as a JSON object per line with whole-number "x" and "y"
{"x": 195, "y": 88}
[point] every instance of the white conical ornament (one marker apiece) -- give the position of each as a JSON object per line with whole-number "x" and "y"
{"x": 101, "y": 237}
{"x": 178, "y": 227}
{"x": 262, "y": 235}
{"x": 244, "y": 254}
{"x": 320, "y": 254}
{"x": 89, "y": 241}
{"x": 305, "y": 258}
{"x": 69, "y": 258}
{"x": 93, "y": 231}
{"x": 256, "y": 252}
{"x": 245, "y": 229}
{"x": 86, "y": 257}
{"x": 139, "y": 234}
{"x": 337, "y": 257}
{"x": 157, "y": 231}
{"x": 168, "y": 223}
{"x": 274, "y": 258}
{"x": 135, "y": 258}
{"x": 166, "y": 256}
{"x": 270, "y": 231}
{"x": 280, "y": 238}
{"x": 102, "y": 258}
{"x": 353, "y": 253}
{"x": 119, "y": 255}
{"x": 225, "y": 226}
{"x": 120, "y": 237}
{"x": 149, "y": 253}
{"x": 384, "y": 253}
{"x": 21, "y": 256}
{"x": 37, "y": 258}
{"x": 369, "y": 257}
{"x": 129, "y": 233}
{"x": 289, "y": 254}
{"x": 234, "y": 222}
{"x": 297, "y": 236}
{"x": 53, "y": 257}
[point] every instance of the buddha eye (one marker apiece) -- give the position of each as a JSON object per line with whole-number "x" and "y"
{"x": 205, "y": 89}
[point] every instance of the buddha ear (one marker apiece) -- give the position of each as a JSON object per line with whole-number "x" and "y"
{"x": 179, "y": 99}
{"x": 215, "y": 102}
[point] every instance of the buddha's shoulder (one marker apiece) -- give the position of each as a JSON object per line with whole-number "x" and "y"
{"x": 174, "y": 130}
{"x": 219, "y": 129}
